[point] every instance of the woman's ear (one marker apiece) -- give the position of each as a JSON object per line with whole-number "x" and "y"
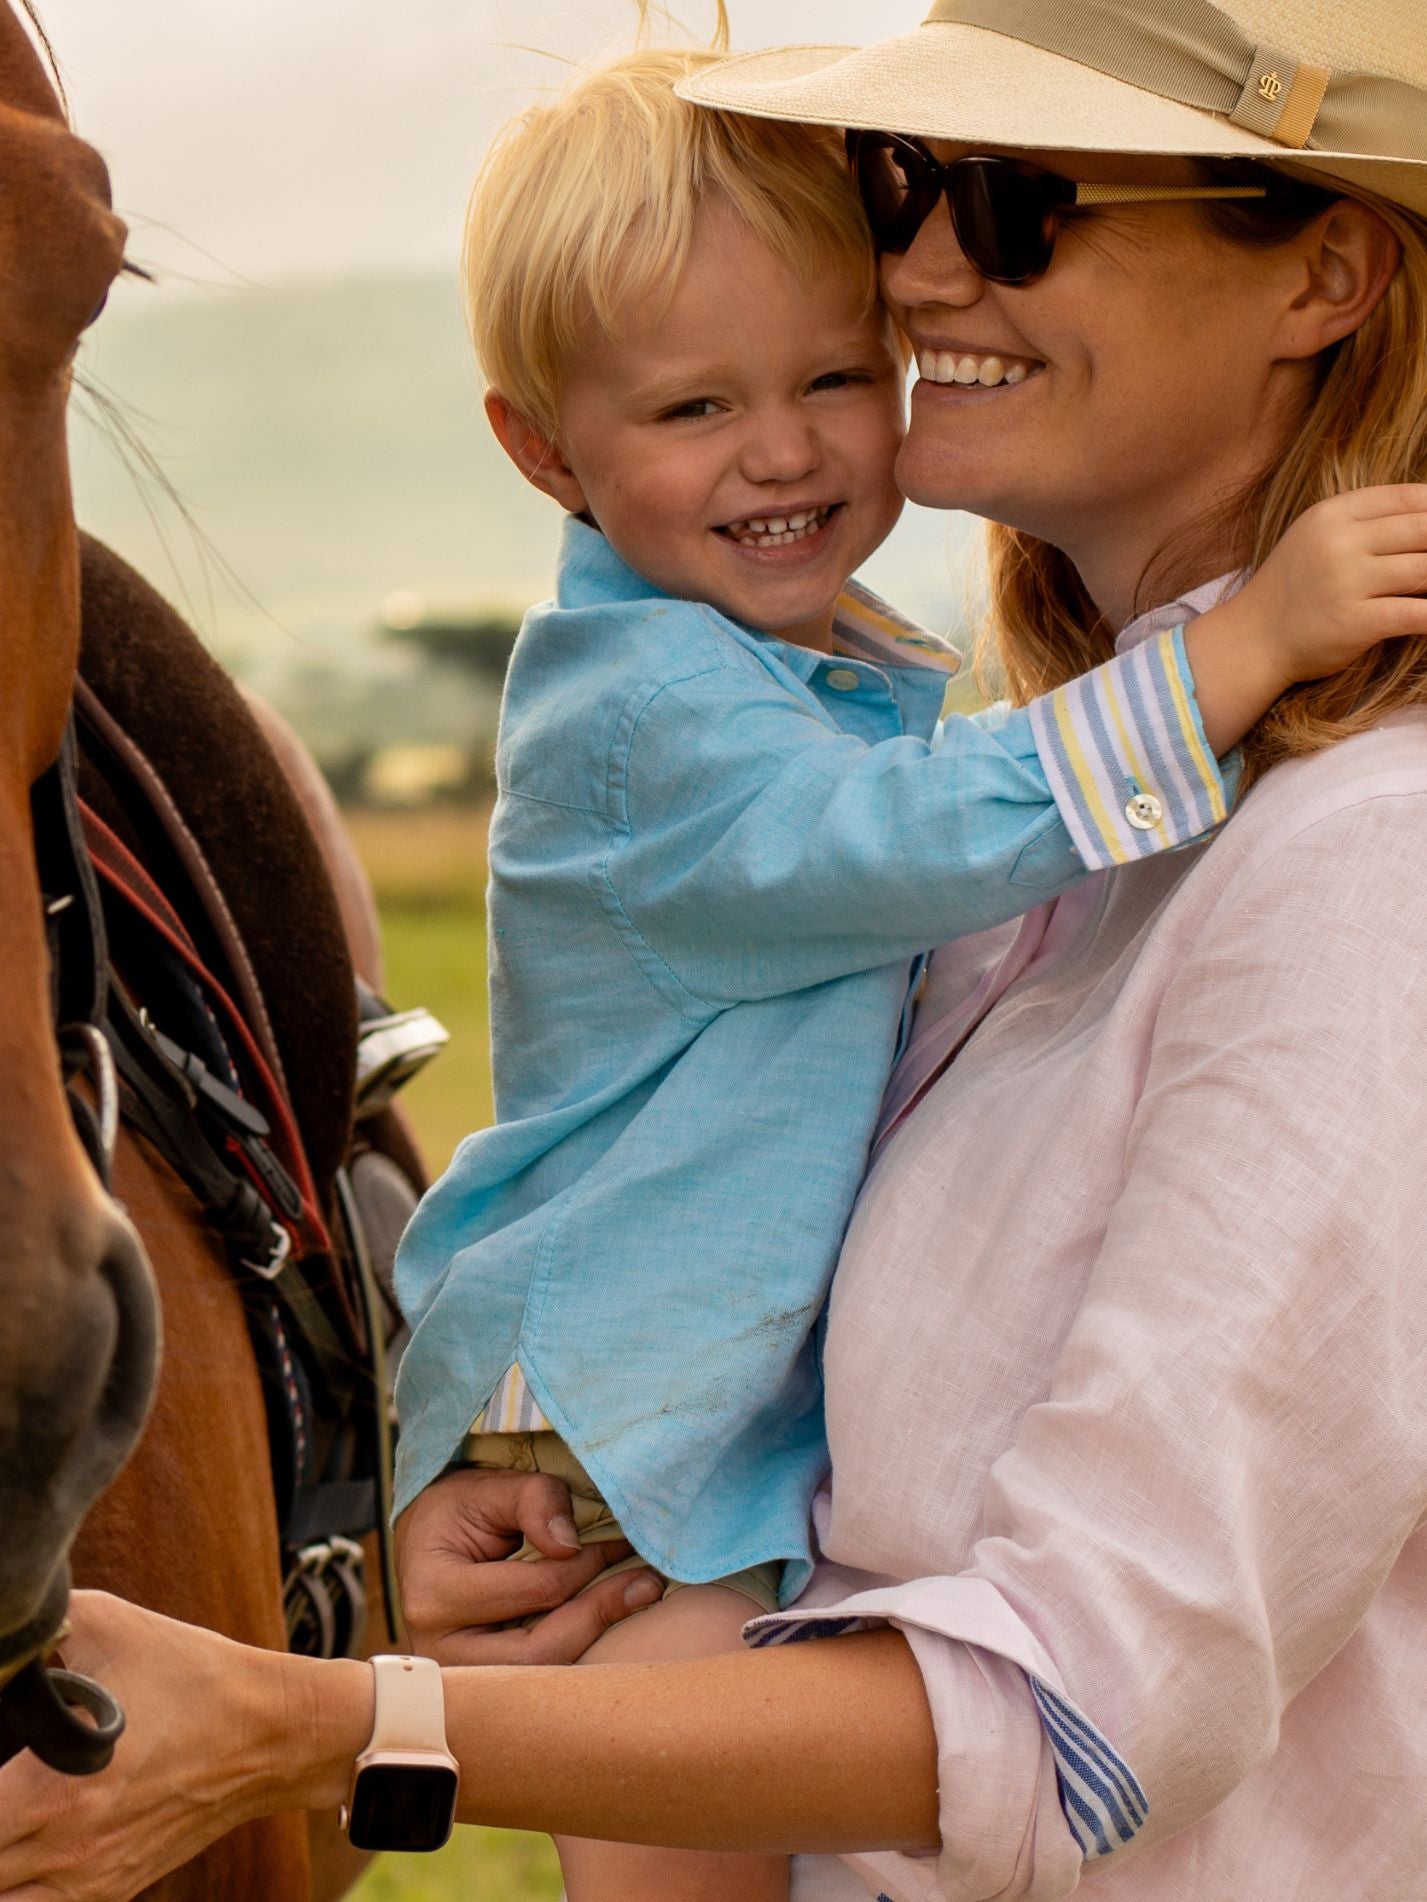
{"x": 1350, "y": 257}
{"x": 535, "y": 455}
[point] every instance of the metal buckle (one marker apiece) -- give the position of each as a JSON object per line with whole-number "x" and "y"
{"x": 89, "y": 1047}
{"x": 270, "y": 1269}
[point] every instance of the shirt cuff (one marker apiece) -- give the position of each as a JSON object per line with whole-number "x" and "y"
{"x": 1124, "y": 750}
{"x": 1013, "y": 1750}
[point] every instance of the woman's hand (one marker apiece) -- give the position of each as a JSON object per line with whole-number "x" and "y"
{"x": 460, "y": 1589}
{"x": 216, "y": 1734}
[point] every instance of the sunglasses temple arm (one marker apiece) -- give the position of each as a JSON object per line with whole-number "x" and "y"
{"x": 1161, "y": 194}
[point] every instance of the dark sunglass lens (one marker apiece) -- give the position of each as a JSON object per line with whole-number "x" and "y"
{"x": 1004, "y": 218}
{"x": 896, "y": 186}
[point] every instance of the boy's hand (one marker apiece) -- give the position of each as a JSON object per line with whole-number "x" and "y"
{"x": 460, "y": 1588}
{"x": 1349, "y": 573}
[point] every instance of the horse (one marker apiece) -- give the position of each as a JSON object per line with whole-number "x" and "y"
{"x": 204, "y": 839}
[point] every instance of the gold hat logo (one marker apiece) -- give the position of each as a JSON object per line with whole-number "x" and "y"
{"x": 1270, "y": 86}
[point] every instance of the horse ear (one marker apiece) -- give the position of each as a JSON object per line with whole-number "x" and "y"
{"x": 536, "y": 456}
{"x": 23, "y": 79}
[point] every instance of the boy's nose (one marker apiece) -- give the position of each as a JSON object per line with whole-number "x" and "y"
{"x": 781, "y": 450}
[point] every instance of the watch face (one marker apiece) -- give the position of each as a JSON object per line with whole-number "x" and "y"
{"x": 402, "y": 1806}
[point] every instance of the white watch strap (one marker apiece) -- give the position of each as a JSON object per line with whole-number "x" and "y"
{"x": 410, "y": 1705}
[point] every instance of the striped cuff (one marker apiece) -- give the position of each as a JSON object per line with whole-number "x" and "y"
{"x": 1125, "y": 754}
{"x": 1100, "y": 1795}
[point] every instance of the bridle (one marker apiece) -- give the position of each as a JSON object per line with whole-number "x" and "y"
{"x": 41, "y": 1705}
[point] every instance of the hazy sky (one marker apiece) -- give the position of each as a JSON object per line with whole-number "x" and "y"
{"x": 291, "y": 137}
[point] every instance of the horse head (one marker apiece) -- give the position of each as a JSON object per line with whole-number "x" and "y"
{"x": 78, "y": 1325}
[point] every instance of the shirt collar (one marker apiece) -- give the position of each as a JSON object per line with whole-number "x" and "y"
{"x": 865, "y": 627}
{"x": 1188, "y": 607}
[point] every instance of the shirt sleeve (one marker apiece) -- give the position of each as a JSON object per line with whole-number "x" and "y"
{"x": 1193, "y": 1522}
{"x": 765, "y": 851}
{"x": 1126, "y": 756}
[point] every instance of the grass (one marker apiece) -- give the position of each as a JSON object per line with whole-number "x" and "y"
{"x": 477, "y": 1865}
{"x": 428, "y": 870}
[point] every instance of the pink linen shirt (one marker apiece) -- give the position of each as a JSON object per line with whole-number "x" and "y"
{"x": 1155, "y": 1442}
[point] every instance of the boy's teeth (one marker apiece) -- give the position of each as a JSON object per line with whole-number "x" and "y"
{"x": 946, "y": 366}
{"x": 776, "y": 531}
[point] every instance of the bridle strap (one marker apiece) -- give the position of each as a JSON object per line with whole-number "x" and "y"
{"x": 74, "y": 916}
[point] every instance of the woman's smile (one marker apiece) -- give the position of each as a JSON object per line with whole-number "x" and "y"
{"x": 957, "y": 366}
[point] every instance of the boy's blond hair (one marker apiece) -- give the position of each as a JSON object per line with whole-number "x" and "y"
{"x": 587, "y": 205}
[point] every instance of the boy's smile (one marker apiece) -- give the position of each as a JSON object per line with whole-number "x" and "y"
{"x": 736, "y": 442}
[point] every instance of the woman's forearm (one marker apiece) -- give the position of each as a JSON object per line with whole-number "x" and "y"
{"x": 817, "y": 1747}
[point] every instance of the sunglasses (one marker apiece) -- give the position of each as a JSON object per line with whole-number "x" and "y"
{"x": 1003, "y": 211}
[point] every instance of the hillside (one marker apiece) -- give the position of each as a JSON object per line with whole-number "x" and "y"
{"x": 327, "y": 439}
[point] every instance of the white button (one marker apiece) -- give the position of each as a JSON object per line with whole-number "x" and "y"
{"x": 843, "y": 679}
{"x": 1144, "y": 812}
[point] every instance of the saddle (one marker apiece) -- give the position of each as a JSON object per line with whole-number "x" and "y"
{"x": 236, "y": 1024}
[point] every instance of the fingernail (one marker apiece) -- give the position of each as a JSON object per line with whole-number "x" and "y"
{"x": 563, "y": 1530}
{"x": 643, "y": 1591}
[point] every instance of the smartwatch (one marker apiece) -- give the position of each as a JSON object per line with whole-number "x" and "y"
{"x": 403, "y": 1793}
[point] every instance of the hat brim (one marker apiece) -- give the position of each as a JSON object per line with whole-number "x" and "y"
{"x": 970, "y": 85}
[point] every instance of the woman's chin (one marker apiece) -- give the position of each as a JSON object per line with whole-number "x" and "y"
{"x": 934, "y": 479}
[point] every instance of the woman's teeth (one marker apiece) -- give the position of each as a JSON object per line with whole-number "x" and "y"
{"x": 947, "y": 366}
{"x": 776, "y": 531}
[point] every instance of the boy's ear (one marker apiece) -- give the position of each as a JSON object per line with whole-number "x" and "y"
{"x": 537, "y": 458}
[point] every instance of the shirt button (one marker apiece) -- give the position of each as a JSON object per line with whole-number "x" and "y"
{"x": 1144, "y": 812}
{"x": 843, "y": 679}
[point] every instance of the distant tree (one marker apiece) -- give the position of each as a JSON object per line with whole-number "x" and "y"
{"x": 479, "y": 646}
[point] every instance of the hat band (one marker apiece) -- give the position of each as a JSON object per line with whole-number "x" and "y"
{"x": 1189, "y": 51}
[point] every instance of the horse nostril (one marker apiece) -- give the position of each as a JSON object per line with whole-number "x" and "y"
{"x": 128, "y": 1389}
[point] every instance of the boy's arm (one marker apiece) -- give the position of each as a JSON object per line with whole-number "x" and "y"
{"x": 785, "y": 854}
{"x": 765, "y": 851}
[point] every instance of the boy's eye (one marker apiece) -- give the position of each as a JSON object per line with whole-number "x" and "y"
{"x": 697, "y": 406}
{"x": 839, "y": 379}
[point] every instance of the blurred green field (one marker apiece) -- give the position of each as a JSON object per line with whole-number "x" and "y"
{"x": 428, "y": 870}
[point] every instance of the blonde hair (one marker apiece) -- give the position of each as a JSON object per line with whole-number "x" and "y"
{"x": 1367, "y": 424}
{"x": 588, "y": 204}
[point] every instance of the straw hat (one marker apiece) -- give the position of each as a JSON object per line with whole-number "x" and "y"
{"x": 1319, "y": 86}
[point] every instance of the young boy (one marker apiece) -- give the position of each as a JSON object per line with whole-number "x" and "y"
{"x": 727, "y": 829}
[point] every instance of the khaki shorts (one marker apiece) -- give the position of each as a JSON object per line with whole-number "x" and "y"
{"x": 547, "y": 1453}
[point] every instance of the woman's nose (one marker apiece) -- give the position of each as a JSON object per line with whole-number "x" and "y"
{"x": 934, "y": 269}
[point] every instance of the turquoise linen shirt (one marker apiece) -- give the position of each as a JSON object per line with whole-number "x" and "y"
{"x": 711, "y": 870}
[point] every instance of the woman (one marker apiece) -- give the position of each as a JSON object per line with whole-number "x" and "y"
{"x": 1126, "y": 1349}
